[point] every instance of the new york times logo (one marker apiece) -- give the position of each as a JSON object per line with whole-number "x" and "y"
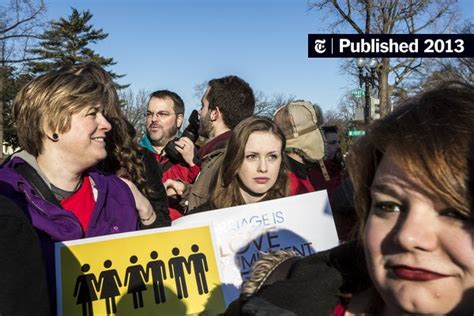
{"x": 390, "y": 45}
{"x": 320, "y": 46}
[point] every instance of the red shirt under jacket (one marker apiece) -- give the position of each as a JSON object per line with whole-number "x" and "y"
{"x": 81, "y": 203}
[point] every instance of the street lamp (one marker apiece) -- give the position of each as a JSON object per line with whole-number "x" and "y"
{"x": 367, "y": 77}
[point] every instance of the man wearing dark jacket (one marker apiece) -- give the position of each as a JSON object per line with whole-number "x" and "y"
{"x": 226, "y": 102}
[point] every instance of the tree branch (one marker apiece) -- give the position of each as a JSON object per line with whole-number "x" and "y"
{"x": 21, "y": 60}
{"x": 20, "y": 22}
{"x": 432, "y": 20}
{"x": 347, "y": 17}
{"x": 3, "y": 38}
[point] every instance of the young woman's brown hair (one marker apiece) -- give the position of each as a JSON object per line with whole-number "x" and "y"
{"x": 226, "y": 191}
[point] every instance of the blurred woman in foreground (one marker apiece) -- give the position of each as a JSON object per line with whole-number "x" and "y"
{"x": 412, "y": 174}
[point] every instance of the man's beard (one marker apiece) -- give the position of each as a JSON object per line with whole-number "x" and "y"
{"x": 205, "y": 126}
{"x": 166, "y": 136}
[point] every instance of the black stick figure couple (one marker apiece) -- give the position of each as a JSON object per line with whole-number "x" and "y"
{"x": 108, "y": 284}
{"x": 196, "y": 261}
{"x": 136, "y": 276}
{"x": 87, "y": 286}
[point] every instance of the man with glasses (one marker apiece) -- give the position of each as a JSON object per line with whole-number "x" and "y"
{"x": 164, "y": 117}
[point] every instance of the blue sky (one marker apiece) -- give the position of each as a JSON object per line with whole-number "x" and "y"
{"x": 176, "y": 44}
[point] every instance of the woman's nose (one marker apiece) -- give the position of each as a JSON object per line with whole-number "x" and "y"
{"x": 103, "y": 123}
{"x": 262, "y": 165}
{"x": 416, "y": 231}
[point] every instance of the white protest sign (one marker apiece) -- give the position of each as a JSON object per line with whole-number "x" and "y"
{"x": 303, "y": 223}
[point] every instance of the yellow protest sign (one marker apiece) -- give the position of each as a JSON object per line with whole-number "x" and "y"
{"x": 159, "y": 272}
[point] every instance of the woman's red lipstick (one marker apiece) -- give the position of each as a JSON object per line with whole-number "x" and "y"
{"x": 415, "y": 274}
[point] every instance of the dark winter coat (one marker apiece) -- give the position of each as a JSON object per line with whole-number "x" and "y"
{"x": 211, "y": 156}
{"x": 160, "y": 201}
{"x": 23, "y": 288}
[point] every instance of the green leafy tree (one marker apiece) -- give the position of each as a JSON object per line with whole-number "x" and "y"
{"x": 67, "y": 41}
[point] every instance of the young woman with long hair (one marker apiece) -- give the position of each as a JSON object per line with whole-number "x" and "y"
{"x": 254, "y": 166}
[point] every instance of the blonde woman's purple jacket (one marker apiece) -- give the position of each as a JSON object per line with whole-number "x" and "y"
{"x": 114, "y": 212}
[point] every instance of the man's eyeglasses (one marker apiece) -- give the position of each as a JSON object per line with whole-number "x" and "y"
{"x": 159, "y": 114}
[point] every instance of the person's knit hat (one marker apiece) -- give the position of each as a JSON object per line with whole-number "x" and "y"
{"x": 299, "y": 122}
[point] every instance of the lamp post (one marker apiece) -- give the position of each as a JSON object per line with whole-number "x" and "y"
{"x": 366, "y": 77}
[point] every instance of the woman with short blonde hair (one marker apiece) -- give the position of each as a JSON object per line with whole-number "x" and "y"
{"x": 62, "y": 127}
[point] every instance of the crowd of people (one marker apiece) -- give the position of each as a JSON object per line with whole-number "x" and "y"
{"x": 401, "y": 199}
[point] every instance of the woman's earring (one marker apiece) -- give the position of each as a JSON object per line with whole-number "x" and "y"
{"x": 54, "y": 137}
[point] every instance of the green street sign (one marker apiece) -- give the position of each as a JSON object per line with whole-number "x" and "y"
{"x": 358, "y": 93}
{"x": 356, "y": 133}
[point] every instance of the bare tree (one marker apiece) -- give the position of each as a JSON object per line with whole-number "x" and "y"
{"x": 343, "y": 118}
{"x": 390, "y": 17}
{"x": 199, "y": 89}
{"x": 442, "y": 69}
{"x": 344, "y": 113}
{"x": 20, "y": 24}
{"x": 266, "y": 106}
{"x": 134, "y": 106}
{"x": 455, "y": 70}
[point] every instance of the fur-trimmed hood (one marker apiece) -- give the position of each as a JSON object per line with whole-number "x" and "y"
{"x": 313, "y": 285}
